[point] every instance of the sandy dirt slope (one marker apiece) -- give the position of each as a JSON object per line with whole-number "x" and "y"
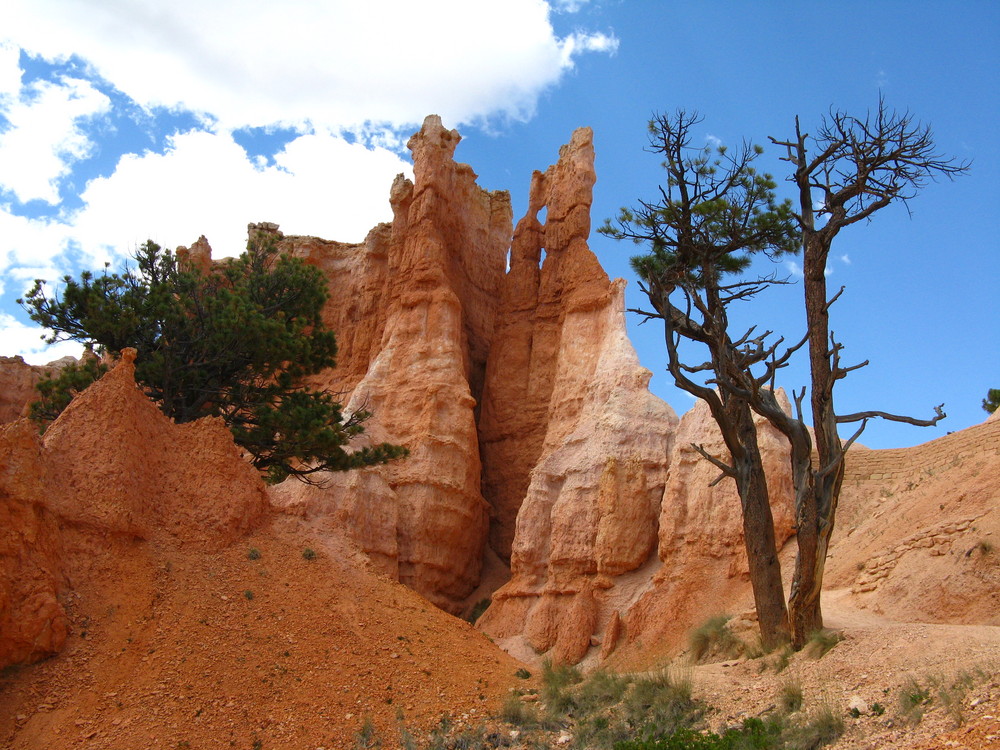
{"x": 873, "y": 664}
{"x": 173, "y": 648}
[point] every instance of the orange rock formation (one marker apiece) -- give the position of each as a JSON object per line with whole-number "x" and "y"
{"x": 538, "y": 454}
{"x": 113, "y": 468}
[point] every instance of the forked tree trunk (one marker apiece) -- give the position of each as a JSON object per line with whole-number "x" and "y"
{"x": 758, "y": 535}
{"x": 818, "y": 500}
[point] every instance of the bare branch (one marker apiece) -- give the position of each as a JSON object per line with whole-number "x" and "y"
{"x": 864, "y": 415}
{"x": 726, "y": 469}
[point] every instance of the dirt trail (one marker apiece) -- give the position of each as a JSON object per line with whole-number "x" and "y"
{"x": 871, "y": 665}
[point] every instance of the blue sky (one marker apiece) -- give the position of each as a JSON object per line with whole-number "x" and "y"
{"x": 122, "y": 121}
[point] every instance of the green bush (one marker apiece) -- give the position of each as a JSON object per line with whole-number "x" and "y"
{"x": 820, "y": 642}
{"x": 755, "y": 734}
{"x": 714, "y": 638}
{"x": 238, "y": 341}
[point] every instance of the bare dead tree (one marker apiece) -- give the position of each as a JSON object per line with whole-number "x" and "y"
{"x": 852, "y": 168}
{"x": 714, "y": 213}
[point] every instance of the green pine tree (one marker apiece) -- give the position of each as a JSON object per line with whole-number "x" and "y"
{"x": 236, "y": 342}
{"x": 992, "y": 400}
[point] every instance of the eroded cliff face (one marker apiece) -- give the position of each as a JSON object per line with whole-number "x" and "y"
{"x": 499, "y": 357}
{"x": 426, "y": 288}
{"x": 575, "y": 447}
{"x": 112, "y": 470}
{"x": 516, "y": 389}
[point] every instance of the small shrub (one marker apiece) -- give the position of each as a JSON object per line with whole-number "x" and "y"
{"x": 714, "y": 638}
{"x": 820, "y": 642}
{"x": 782, "y": 657}
{"x": 985, "y": 547}
{"x": 308, "y": 554}
{"x": 661, "y": 703}
{"x": 601, "y": 690}
{"x": 823, "y": 727}
{"x": 253, "y": 554}
{"x": 952, "y": 697}
{"x": 555, "y": 681}
{"x": 522, "y": 674}
{"x": 367, "y": 737}
{"x": 877, "y": 708}
{"x": 913, "y": 698}
{"x": 477, "y": 611}
{"x": 518, "y": 713}
{"x": 790, "y": 697}
{"x": 248, "y": 594}
{"x": 406, "y": 739}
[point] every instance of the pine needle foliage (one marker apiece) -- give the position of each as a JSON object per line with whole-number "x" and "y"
{"x": 237, "y": 341}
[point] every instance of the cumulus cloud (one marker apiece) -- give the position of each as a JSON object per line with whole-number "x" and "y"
{"x": 27, "y": 341}
{"x": 10, "y": 73}
{"x": 205, "y": 183}
{"x": 337, "y": 63}
{"x": 44, "y": 136}
{"x": 351, "y": 80}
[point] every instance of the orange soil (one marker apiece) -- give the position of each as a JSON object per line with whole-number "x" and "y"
{"x": 179, "y": 648}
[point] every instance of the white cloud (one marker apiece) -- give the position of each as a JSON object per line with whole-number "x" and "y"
{"x": 373, "y": 70}
{"x": 10, "y": 73}
{"x": 794, "y": 269}
{"x": 27, "y": 341}
{"x": 845, "y": 259}
{"x": 336, "y": 63}
{"x": 44, "y": 136}
{"x": 206, "y": 184}
{"x": 568, "y": 6}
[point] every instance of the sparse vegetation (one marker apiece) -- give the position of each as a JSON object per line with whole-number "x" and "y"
{"x": 308, "y": 554}
{"x": 821, "y": 641}
{"x": 517, "y": 712}
{"x": 555, "y": 681}
{"x": 253, "y": 554}
{"x": 714, "y": 638}
{"x": 822, "y": 727}
{"x": 367, "y": 737}
{"x": 608, "y": 711}
{"x": 248, "y": 594}
{"x": 522, "y": 674}
{"x": 913, "y": 699}
{"x": 477, "y": 610}
{"x": 790, "y": 697}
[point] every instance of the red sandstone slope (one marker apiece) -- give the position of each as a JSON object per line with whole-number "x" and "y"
{"x": 139, "y": 548}
{"x": 918, "y": 535}
{"x": 166, "y": 647}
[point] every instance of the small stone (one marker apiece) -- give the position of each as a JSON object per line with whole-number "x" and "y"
{"x": 857, "y": 703}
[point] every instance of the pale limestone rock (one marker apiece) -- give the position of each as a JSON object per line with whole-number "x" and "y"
{"x": 568, "y": 417}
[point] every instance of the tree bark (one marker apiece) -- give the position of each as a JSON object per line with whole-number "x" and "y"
{"x": 758, "y": 535}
